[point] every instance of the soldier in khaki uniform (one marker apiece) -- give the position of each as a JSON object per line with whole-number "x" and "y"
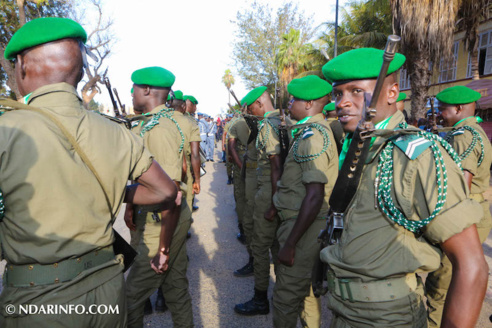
{"x": 56, "y": 224}
{"x": 239, "y": 148}
{"x": 225, "y": 138}
{"x": 457, "y": 105}
{"x": 191, "y": 147}
{"x": 394, "y": 226}
{"x": 268, "y": 173}
{"x": 166, "y": 141}
{"x": 301, "y": 199}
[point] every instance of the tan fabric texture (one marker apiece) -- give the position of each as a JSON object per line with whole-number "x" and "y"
{"x": 36, "y": 156}
{"x": 373, "y": 247}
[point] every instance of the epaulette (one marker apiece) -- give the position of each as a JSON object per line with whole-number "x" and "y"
{"x": 457, "y": 132}
{"x": 135, "y": 123}
{"x": 412, "y": 145}
{"x": 307, "y": 133}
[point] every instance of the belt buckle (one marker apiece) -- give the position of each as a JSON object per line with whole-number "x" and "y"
{"x": 346, "y": 283}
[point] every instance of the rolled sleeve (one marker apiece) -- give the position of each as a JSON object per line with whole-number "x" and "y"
{"x": 314, "y": 171}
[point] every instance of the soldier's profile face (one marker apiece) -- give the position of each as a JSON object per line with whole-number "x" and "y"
{"x": 297, "y": 108}
{"x": 349, "y": 102}
{"x": 448, "y": 114}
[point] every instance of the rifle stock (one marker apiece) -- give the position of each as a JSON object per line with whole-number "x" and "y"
{"x": 282, "y": 130}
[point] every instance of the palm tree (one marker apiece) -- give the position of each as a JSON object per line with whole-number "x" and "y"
{"x": 228, "y": 80}
{"x": 426, "y": 28}
{"x": 470, "y": 13}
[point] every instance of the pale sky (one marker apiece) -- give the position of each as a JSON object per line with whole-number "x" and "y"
{"x": 191, "y": 38}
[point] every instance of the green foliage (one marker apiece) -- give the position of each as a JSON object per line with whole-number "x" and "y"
{"x": 259, "y": 35}
{"x": 10, "y": 22}
{"x": 228, "y": 79}
{"x": 94, "y": 106}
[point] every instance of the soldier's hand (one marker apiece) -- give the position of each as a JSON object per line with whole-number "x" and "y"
{"x": 270, "y": 213}
{"x": 196, "y": 188}
{"x": 179, "y": 197}
{"x": 129, "y": 217}
{"x": 160, "y": 262}
{"x": 286, "y": 255}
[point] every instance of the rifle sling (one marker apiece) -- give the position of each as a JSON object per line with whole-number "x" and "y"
{"x": 350, "y": 173}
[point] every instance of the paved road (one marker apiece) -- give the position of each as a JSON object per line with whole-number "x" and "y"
{"x": 215, "y": 253}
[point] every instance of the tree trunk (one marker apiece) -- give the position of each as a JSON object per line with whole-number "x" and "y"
{"x": 474, "y": 65}
{"x": 88, "y": 96}
{"x": 10, "y": 71}
{"x": 418, "y": 69}
{"x": 22, "y": 13}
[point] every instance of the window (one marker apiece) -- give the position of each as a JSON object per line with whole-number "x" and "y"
{"x": 448, "y": 69}
{"x": 404, "y": 79}
{"x": 484, "y": 55}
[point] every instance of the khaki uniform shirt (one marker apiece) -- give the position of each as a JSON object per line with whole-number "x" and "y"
{"x": 372, "y": 246}
{"x": 55, "y": 207}
{"x": 240, "y": 131}
{"x": 191, "y": 133}
{"x": 323, "y": 169}
{"x": 163, "y": 141}
{"x": 461, "y": 142}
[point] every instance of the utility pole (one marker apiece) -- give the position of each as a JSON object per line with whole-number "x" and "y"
{"x": 336, "y": 29}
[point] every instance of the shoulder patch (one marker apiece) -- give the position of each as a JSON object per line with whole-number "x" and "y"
{"x": 412, "y": 145}
{"x": 457, "y": 132}
{"x": 307, "y": 133}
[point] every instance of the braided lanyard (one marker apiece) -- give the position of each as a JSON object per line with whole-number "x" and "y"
{"x": 384, "y": 175}
{"x": 306, "y": 158}
{"x": 261, "y": 143}
{"x": 163, "y": 113}
{"x": 476, "y": 137}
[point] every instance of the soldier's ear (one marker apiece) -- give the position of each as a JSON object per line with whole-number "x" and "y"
{"x": 459, "y": 109}
{"x": 20, "y": 62}
{"x": 393, "y": 93}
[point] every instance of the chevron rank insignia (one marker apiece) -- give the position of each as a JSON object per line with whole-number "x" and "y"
{"x": 307, "y": 133}
{"x": 412, "y": 145}
{"x": 135, "y": 123}
{"x": 458, "y": 132}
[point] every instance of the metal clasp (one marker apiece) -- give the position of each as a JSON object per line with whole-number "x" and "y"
{"x": 346, "y": 283}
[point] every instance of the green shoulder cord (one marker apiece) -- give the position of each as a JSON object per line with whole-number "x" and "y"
{"x": 476, "y": 137}
{"x": 295, "y": 145}
{"x": 164, "y": 113}
{"x": 261, "y": 144}
{"x": 384, "y": 175}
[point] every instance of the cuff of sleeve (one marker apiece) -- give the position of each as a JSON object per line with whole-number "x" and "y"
{"x": 453, "y": 221}
{"x": 314, "y": 176}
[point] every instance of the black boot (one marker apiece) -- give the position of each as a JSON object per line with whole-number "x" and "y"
{"x": 148, "y": 307}
{"x": 240, "y": 236}
{"x": 245, "y": 271}
{"x": 229, "y": 180}
{"x": 160, "y": 302}
{"x": 258, "y": 305}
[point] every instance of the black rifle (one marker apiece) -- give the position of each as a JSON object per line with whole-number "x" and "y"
{"x": 122, "y": 106}
{"x": 252, "y": 123}
{"x": 351, "y": 171}
{"x": 282, "y": 131}
{"x": 110, "y": 90}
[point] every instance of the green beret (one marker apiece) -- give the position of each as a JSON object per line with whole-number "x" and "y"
{"x": 190, "y": 98}
{"x": 309, "y": 87}
{"x": 359, "y": 64}
{"x": 178, "y": 94}
{"x": 154, "y": 77}
{"x": 253, "y": 95}
{"x": 458, "y": 95}
{"x": 131, "y": 91}
{"x": 329, "y": 108}
{"x": 43, "y": 30}
{"x": 401, "y": 96}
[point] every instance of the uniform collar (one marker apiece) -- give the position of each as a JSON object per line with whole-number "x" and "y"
{"x": 466, "y": 121}
{"x": 59, "y": 97}
{"x": 378, "y": 144}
